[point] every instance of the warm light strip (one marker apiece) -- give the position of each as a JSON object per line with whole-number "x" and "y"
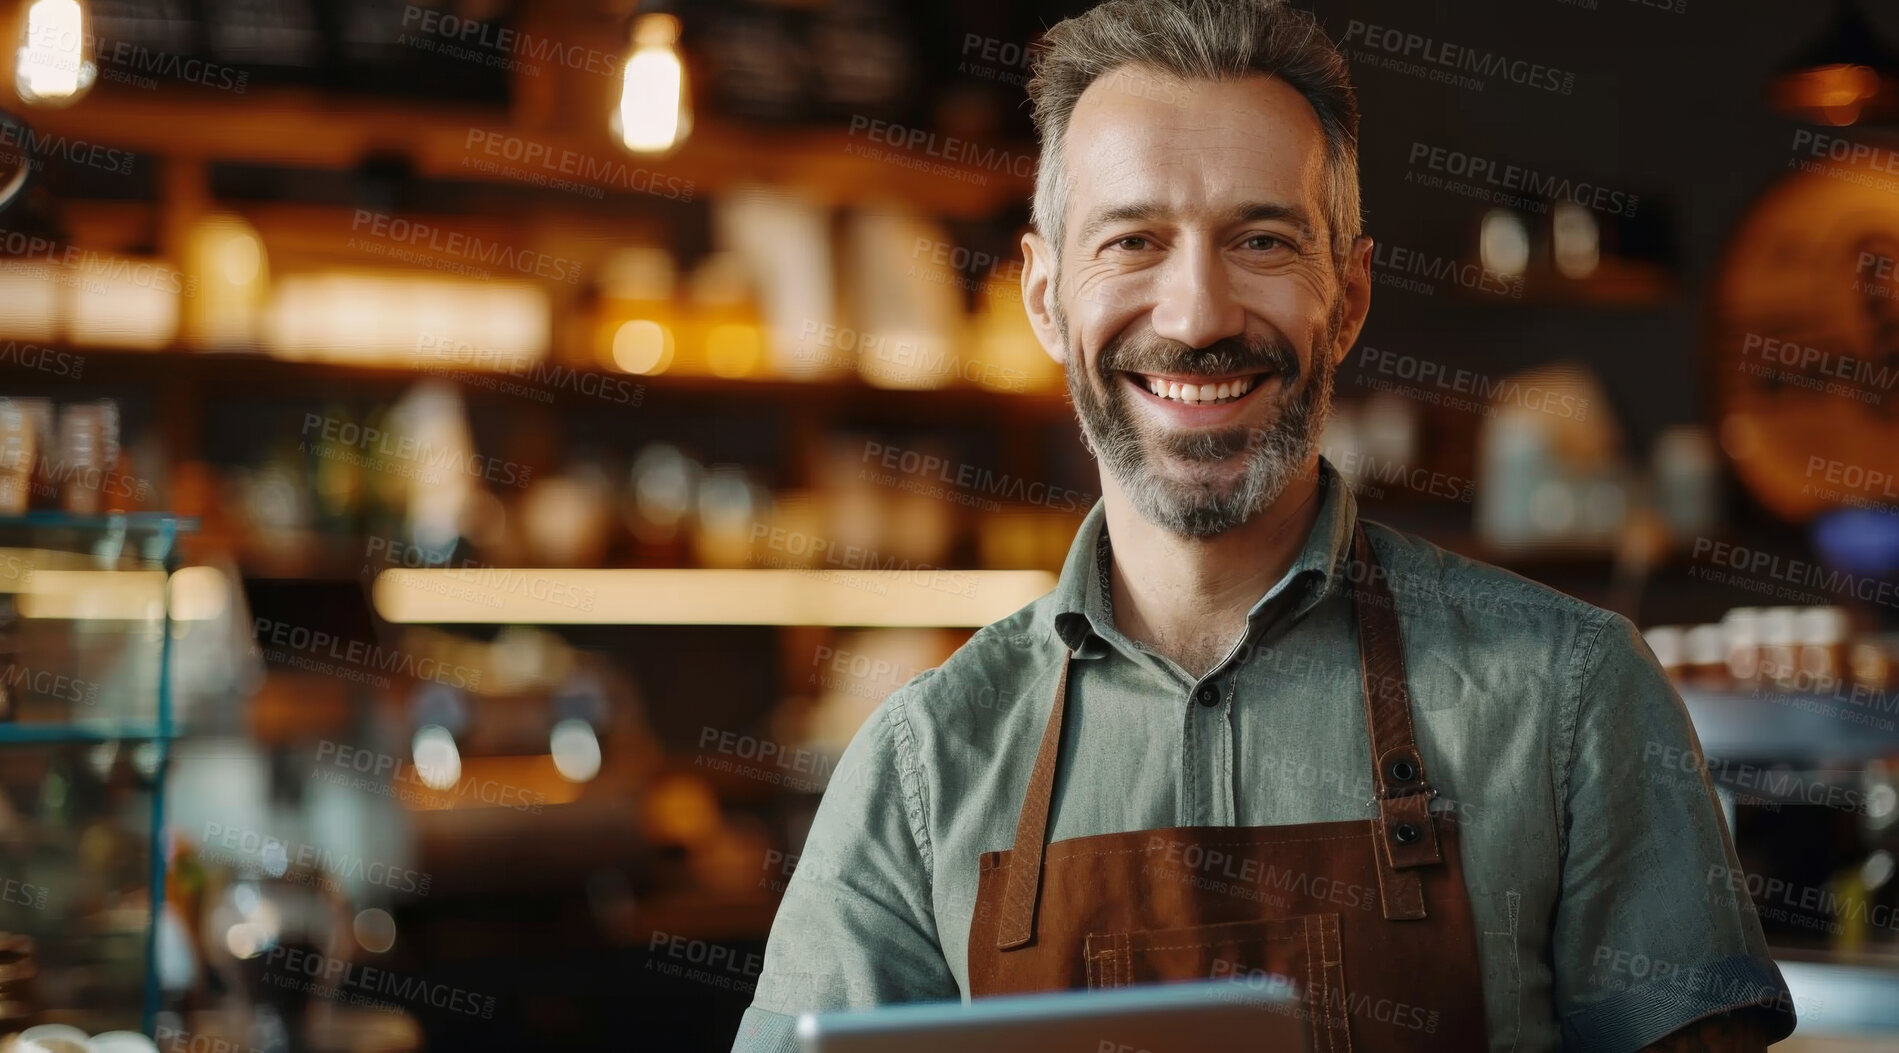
{"x": 196, "y": 593}
{"x": 401, "y": 319}
{"x": 94, "y": 595}
{"x": 825, "y": 596}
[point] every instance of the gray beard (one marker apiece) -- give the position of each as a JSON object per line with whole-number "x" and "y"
{"x": 1275, "y": 455}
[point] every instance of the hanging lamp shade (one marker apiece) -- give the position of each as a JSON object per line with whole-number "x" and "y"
{"x": 1846, "y": 76}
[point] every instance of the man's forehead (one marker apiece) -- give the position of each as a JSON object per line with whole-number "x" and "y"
{"x": 1137, "y": 129}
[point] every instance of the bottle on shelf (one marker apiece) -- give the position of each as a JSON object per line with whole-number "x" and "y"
{"x": 1822, "y": 636}
{"x": 1742, "y": 631}
{"x": 1779, "y": 640}
{"x": 88, "y": 452}
{"x": 1669, "y": 644}
{"x": 1870, "y": 661}
{"x": 19, "y": 449}
{"x": 1706, "y": 665}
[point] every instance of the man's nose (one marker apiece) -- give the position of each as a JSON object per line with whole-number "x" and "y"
{"x": 1196, "y": 304}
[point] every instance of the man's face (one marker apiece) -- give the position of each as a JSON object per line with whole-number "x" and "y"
{"x": 1197, "y": 309}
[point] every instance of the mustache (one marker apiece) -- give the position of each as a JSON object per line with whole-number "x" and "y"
{"x": 1146, "y": 353}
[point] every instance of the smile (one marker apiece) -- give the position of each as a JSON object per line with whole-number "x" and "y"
{"x": 1199, "y": 391}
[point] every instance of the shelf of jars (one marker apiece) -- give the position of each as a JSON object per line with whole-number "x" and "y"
{"x": 1791, "y": 683}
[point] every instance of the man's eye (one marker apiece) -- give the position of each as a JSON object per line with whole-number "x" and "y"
{"x": 1131, "y": 243}
{"x": 1265, "y": 242}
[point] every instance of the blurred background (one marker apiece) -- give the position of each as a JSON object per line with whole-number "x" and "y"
{"x": 467, "y": 468}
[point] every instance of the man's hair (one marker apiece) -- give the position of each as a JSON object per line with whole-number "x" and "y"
{"x": 1195, "y": 40}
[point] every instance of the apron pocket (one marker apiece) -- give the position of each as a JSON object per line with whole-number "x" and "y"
{"x": 1299, "y": 956}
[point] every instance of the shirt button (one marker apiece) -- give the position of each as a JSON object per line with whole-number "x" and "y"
{"x": 1208, "y": 695}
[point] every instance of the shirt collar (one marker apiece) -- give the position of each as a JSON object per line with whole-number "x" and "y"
{"x": 1081, "y": 615}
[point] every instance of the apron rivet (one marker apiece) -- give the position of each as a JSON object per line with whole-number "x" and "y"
{"x": 1405, "y": 833}
{"x": 1403, "y": 770}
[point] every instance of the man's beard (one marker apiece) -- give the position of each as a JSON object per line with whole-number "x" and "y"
{"x": 1138, "y": 453}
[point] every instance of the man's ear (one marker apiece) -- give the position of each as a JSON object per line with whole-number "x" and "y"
{"x": 1038, "y": 295}
{"x": 1357, "y": 293}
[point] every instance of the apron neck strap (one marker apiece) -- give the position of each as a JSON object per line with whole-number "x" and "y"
{"x": 1031, "y": 828}
{"x": 1406, "y": 830}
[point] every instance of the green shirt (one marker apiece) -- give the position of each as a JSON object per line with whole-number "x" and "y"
{"x": 1602, "y": 883}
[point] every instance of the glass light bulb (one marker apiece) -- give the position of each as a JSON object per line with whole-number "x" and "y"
{"x": 1504, "y": 243}
{"x": 53, "y": 66}
{"x": 654, "y": 114}
{"x": 1578, "y": 241}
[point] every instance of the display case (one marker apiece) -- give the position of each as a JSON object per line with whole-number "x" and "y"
{"x": 1806, "y": 781}
{"x": 86, "y": 722}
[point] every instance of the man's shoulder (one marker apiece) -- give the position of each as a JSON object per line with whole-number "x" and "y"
{"x": 981, "y": 686}
{"x": 1486, "y": 610}
{"x": 1001, "y": 652}
{"x": 1419, "y": 568}
{"x": 1476, "y": 630}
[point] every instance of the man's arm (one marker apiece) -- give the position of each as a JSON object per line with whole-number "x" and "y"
{"x": 1654, "y": 940}
{"x": 856, "y": 927}
{"x": 1727, "y": 1033}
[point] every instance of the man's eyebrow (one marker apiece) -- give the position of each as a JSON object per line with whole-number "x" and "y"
{"x": 1139, "y": 212}
{"x": 1265, "y": 211}
{"x": 1250, "y": 212}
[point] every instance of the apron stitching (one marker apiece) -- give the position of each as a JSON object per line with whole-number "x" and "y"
{"x": 1212, "y": 943}
{"x": 1220, "y": 844}
{"x": 1305, "y": 930}
{"x": 1336, "y": 959}
{"x": 1330, "y": 1036}
{"x": 1384, "y": 896}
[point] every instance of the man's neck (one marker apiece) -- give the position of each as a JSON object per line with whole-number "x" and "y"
{"x": 1188, "y": 598}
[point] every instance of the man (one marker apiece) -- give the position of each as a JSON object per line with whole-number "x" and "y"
{"x": 1248, "y": 734}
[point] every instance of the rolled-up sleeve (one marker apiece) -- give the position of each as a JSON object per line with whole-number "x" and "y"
{"x": 856, "y": 927}
{"x": 1649, "y": 934}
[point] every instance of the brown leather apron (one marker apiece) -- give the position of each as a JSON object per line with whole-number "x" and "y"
{"x": 1366, "y": 921}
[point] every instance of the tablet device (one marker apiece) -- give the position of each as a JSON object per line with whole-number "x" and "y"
{"x": 1189, "y": 1017}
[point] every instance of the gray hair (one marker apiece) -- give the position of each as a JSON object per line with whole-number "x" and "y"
{"x": 1196, "y": 40}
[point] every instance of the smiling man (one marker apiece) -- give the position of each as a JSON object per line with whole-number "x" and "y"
{"x": 1249, "y": 733}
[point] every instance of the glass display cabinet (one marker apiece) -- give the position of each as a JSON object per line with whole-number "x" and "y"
{"x": 85, "y": 725}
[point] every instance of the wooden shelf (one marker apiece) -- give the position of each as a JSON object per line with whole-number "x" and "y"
{"x": 256, "y": 373}
{"x": 302, "y": 128}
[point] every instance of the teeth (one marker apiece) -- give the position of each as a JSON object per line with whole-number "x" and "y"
{"x": 1195, "y": 394}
